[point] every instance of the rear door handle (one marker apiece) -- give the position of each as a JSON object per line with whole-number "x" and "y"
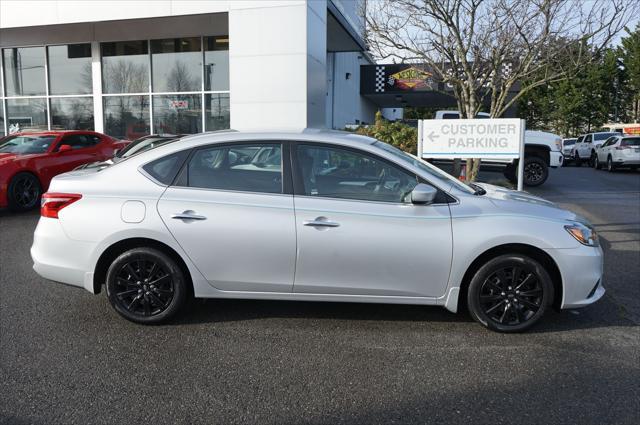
{"x": 188, "y": 215}
{"x": 321, "y": 222}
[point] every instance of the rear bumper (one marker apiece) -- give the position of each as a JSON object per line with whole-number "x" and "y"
{"x": 58, "y": 258}
{"x": 4, "y": 202}
{"x": 581, "y": 270}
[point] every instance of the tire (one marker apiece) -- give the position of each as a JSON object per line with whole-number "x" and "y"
{"x": 596, "y": 164}
{"x": 510, "y": 173}
{"x": 577, "y": 160}
{"x": 494, "y": 300}
{"x": 536, "y": 171}
{"x": 146, "y": 286}
{"x": 592, "y": 159}
{"x": 611, "y": 167}
{"x": 24, "y": 192}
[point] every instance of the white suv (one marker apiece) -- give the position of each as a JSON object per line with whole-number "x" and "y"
{"x": 585, "y": 149}
{"x": 618, "y": 151}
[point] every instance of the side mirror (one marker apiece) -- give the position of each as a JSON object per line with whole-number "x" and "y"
{"x": 64, "y": 148}
{"x": 423, "y": 194}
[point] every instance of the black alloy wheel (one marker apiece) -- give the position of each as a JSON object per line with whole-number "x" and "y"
{"x": 145, "y": 286}
{"x": 535, "y": 171}
{"x": 24, "y": 192}
{"x": 510, "y": 293}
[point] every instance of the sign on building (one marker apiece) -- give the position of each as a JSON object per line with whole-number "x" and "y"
{"x": 500, "y": 139}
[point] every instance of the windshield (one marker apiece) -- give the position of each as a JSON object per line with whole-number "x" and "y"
{"x": 603, "y": 136}
{"x": 433, "y": 171}
{"x": 630, "y": 141}
{"x": 24, "y": 145}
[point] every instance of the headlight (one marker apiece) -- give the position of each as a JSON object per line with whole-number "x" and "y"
{"x": 583, "y": 233}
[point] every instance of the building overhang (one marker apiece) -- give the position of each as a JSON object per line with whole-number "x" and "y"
{"x": 341, "y": 35}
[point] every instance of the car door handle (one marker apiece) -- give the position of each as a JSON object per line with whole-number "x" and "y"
{"x": 321, "y": 222}
{"x": 188, "y": 215}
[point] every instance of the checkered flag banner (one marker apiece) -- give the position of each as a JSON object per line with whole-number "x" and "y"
{"x": 379, "y": 79}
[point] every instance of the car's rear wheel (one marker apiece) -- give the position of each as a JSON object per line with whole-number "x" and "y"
{"x": 146, "y": 286}
{"x": 510, "y": 293}
{"x": 23, "y": 192}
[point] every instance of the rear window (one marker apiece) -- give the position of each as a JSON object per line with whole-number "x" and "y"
{"x": 569, "y": 142}
{"x": 630, "y": 141}
{"x": 603, "y": 136}
{"x": 164, "y": 169}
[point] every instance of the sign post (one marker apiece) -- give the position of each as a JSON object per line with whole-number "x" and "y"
{"x": 498, "y": 139}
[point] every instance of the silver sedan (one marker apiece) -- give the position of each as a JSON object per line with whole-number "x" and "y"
{"x": 310, "y": 216}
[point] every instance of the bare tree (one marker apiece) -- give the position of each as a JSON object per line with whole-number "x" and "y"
{"x": 483, "y": 49}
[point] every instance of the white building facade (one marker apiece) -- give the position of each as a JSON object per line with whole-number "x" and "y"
{"x": 130, "y": 68}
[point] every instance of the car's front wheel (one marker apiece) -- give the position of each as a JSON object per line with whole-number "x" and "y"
{"x": 611, "y": 167}
{"x": 146, "y": 286}
{"x": 23, "y": 192}
{"x": 510, "y": 293}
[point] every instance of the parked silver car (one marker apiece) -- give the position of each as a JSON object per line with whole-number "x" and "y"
{"x": 310, "y": 216}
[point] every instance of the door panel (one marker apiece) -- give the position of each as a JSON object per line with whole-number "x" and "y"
{"x": 247, "y": 241}
{"x": 377, "y": 248}
{"x": 358, "y": 235}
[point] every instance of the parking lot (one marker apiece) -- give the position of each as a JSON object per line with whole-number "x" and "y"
{"x": 66, "y": 357}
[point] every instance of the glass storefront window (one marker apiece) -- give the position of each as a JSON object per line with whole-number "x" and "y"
{"x": 125, "y": 67}
{"x": 176, "y": 64}
{"x": 27, "y": 114}
{"x": 1, "y": 119}
{"x": 216, "y": 63}
{"x": 24, "y": 71}
{"x": 70, "y": 69}
{"x": 72, "y": 113}
{"x": 216, "y": 112}
{"x": 126, "y": 117}
{"x": 177, "y": 114}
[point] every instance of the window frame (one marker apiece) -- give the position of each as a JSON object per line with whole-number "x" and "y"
{"x": 298, "y": 183}
{"x": 181, "y": 182}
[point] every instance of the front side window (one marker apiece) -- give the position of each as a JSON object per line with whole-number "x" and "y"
{"x": 247, "y": 168}
{"x": 80, "y": 141}
{"x": 345, "y": 174}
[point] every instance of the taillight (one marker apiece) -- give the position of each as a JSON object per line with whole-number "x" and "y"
{"x": 52, "y": 203}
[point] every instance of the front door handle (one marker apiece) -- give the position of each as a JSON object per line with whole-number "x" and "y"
{"x": 321, "y": 222}
{"x": 188, "y": 215}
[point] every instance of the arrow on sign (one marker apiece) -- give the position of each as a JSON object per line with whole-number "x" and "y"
{"x": 431, "y": 136}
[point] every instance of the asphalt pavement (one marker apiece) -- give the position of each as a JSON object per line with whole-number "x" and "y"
{"x": 67, "y": 358}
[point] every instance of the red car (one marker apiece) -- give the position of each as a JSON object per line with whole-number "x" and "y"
{"x": 28, "y": 161}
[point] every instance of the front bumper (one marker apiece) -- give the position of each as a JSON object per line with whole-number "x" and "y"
{"x": 555, "y": 159}
{"x": 58, "y": 258}
{"x": 581, "y": 270}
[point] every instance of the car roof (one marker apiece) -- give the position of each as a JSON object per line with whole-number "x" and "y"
{"x": 307, "y": 134}
{"x": 50, "y": 132}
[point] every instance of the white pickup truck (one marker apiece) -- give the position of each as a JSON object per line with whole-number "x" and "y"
{"x": 541, "y": 151}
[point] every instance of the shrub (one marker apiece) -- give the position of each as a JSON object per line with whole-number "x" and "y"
{"x": 397, "y": 134}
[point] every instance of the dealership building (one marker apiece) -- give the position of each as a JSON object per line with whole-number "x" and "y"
{"x": 130, "y": 68}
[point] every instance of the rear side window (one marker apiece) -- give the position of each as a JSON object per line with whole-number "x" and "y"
{"x": 164, "y": 169}
{"x": 246, "y": 168}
